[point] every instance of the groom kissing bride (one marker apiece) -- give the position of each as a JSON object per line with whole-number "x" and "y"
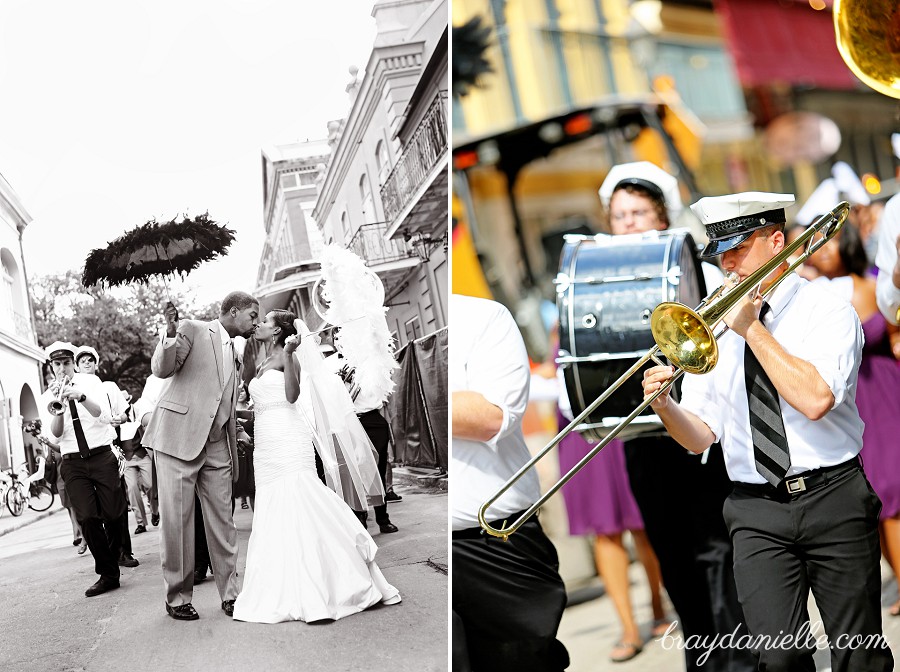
{"x": 332, "y": 571}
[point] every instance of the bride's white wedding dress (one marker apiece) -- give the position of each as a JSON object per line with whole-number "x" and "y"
{"x": 309, "y": 558}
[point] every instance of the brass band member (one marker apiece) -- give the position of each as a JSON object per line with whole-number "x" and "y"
{"x": 781, "y": 401}
{"x": 508, "y": 597}
{"x": 693, "y": 547}
{"x": 89, "y": 467}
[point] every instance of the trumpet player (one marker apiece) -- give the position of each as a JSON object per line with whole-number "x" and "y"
{"x": 89, "y": 467}
{"x": 802, "y": 514}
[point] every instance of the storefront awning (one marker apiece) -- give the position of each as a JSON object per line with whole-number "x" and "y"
{"x": 783, "y": 41}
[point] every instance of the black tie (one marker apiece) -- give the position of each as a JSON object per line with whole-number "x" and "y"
{"x": 79, "y": 432}
{"x": 770, "y": 447}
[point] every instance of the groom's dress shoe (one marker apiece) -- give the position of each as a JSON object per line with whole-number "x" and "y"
{"x": 103, "y": 585}
{"x": 388, "y": 527}
{"x": 199, "y": 576}
{"x": 228, "y": 607}
{"x": 183, "y": 612}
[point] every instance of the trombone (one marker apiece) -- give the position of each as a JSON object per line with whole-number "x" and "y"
{"x": 687, "y": 338}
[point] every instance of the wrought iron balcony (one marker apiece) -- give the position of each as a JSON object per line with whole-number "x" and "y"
{"x": 369, "y": 243}
{"x": 421, "y": 154}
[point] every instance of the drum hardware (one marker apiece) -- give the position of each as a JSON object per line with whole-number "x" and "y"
{"x": 688, "y": 338}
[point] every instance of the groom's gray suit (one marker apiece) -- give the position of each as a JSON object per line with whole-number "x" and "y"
{"x": 193, "y": 432}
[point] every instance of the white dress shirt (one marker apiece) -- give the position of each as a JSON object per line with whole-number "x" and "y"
{"x": 487, "y": 355}
{"x": 97, "y": 431}
{"x": 814, "y": 324}
{"x": 886, "y": 257}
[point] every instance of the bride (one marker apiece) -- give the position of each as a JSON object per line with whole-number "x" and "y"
{"x": 308, "y": 558}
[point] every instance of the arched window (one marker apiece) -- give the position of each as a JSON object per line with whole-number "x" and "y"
{"x": 345, "y": 227}
{"x": 382, "y": 161}
{"x": 7, "y": 304}
{"x": 365, "y": 195}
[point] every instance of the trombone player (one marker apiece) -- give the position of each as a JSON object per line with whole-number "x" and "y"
{"x": 781, "y": 401}
{"x": 89, "y": 467}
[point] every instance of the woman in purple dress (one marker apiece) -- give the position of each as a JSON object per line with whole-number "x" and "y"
{"x": 599, "y": 502}
{"x": 844, "y": 263}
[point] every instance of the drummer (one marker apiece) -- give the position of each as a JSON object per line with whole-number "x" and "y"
{"x": 679, "y": 494}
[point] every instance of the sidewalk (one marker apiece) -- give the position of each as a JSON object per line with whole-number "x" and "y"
{"x": 10, "y": 523}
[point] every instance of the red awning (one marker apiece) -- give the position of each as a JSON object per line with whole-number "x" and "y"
{"x": 787, "y": 41}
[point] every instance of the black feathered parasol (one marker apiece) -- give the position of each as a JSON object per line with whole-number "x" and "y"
{"x": 157, "y": 249}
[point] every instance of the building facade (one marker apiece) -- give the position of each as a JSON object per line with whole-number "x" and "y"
{"x": 377, "y": 185}
{"x": 20, "y": 357}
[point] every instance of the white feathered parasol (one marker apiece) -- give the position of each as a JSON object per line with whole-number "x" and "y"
{"x": 355, "y": 298}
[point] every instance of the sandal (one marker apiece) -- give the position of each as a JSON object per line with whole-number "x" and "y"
{"x": 895, "y": 609}
{"x": 82, "y": 548}
{"x": 76, "y": 541}
{"x": 660, "y": 627}
{"x": 623, "y": 651}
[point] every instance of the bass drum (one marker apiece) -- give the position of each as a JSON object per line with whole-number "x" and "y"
{"x": 607, "y": 288}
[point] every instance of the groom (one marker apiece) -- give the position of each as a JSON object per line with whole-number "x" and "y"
{"x": 194, "y": 434}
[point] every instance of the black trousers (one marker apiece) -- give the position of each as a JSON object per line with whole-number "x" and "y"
{"x": 95, "y": 494}
{"x": 201, "y": 548}
{"x": 124, "y": 534}
{"x": 681, "y": 500}
{"x": 379, "y": 433}
{"x": 824, "y": 540}
{"x": 508, "y": 600}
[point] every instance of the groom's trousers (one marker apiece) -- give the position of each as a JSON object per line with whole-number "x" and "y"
{"x": 210, "y": 475}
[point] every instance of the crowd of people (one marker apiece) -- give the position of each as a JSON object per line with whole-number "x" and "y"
{"x": 773, "y": 476}
{"x": 199, "y": 440}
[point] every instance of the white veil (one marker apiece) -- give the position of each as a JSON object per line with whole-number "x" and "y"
{"x": 344, "y": 447}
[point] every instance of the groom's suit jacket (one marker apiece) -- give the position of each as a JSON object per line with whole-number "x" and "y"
{"x": 181, "y": 422}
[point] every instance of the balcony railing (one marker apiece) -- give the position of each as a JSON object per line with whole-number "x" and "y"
{"x": 279, "y": 264}
{"x": 369, "y": 243}
{"x": 428, "y": 144}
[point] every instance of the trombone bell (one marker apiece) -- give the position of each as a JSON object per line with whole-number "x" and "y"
{"x": 684, "y": 337}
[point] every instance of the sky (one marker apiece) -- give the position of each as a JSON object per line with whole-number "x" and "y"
{"x": 113, "y": 113}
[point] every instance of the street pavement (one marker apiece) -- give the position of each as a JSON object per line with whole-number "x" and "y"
{"x": 48, "y": 625}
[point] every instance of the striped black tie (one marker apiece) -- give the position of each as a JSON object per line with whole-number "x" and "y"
{"x": 770, "y": 447}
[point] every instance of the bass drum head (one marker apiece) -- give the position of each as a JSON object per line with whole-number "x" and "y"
{"x": 607, "y": 288}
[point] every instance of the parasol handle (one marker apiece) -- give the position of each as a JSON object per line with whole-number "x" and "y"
{"x": 171, "y": 314}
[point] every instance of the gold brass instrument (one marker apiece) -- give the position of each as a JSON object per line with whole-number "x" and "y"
{"x": 688, "y": 339}
{"x": 58, "y": 387}
{"x": 868, "y": 39}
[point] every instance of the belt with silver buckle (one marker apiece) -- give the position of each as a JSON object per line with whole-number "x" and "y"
{"x": 797, "y": 485}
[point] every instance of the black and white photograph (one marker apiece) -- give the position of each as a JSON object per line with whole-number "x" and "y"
{"x": 224, "y": 236}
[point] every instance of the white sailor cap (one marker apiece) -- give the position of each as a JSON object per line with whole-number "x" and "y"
{"x": 732, "y": 219}
{"x": 58, "y": 350}
{"x": 87, "y": 350}
{"x": 647, "y": 176}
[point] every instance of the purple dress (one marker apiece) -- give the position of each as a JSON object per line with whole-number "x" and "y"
{"x": 598, "y": 498}
{"x": 878, "y": 399}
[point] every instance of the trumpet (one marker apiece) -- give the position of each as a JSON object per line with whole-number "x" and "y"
{"x": 58, "y": 387}
{"x": 688, "y": 339}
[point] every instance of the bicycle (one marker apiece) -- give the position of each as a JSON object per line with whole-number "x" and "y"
{"x": 36, "y": 496}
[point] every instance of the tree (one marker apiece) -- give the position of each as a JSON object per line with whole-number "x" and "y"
{"x": 122, "y": 324}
